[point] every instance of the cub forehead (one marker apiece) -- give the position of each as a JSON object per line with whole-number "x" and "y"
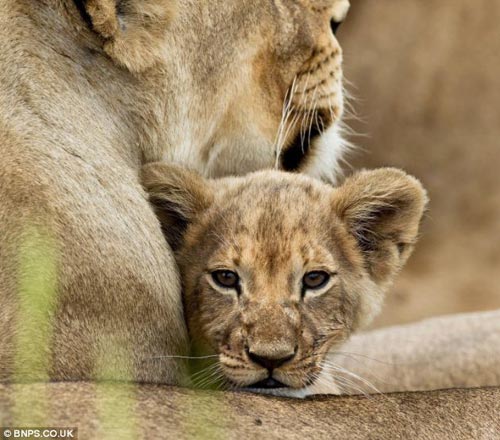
{"x": 285, "y": 195}
{"x": 271, "y": 186}
{"x": 276, "y": 210}
{"x": 268, "y": 201}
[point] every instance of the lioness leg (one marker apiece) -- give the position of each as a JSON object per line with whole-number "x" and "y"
{"x": 458, "y": 351}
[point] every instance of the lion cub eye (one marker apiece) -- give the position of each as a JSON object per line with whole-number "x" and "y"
{"x": 315, "y": 280}
{"x": 226, "y": 278}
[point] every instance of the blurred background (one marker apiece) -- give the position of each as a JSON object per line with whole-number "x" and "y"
{"x": 425, "y": 80}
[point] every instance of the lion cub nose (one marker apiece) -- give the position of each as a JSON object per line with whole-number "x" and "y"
{"x": 270, "y": 361}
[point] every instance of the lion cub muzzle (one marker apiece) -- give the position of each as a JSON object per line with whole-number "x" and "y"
{"x": 271, "y": 343}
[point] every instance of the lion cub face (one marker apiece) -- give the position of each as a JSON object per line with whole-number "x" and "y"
{"x": 278, "y": 268}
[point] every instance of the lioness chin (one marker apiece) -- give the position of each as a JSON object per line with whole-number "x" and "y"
{"x": 278, "y": 269}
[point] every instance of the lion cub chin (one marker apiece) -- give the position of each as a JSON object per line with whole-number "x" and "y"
{"x": 278, "y": 268}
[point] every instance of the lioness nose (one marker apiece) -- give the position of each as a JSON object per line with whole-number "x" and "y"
{"x": 270, "y": 362}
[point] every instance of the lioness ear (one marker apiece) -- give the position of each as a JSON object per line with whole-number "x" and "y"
{"x": 178, "y": 195}
{"x": 134, "y": 30}
{"x": 383, "y": 210}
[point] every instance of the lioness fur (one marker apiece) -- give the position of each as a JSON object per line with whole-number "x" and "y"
{"x": 92, "y": 89}
{"x": 246, "y": 245}
{"x": 148, "y": 412}
{"x": 454, "y": 351}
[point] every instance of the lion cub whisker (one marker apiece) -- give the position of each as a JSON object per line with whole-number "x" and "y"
{"x": 181, "y": 357}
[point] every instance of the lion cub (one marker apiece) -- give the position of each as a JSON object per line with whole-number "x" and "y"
{"x": 280, "y": 268}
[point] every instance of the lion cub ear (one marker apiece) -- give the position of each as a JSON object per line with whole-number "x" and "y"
{"x": 383, "y": 209}
{"x": 178, "y": 196}
{"x": 134, "y": 30}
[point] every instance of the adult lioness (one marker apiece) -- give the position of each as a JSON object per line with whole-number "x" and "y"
{"x": 279, "y": 269}
{"x": 92, "y": 89}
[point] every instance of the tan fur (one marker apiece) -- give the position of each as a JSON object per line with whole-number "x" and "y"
{"x": 135, "y": 36}
{"x": 155, "y": 412}
{"x": 86, "y": 97}
{"x": 271, "y": 228}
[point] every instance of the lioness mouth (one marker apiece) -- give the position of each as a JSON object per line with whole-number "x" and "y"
{"x": 298, "y": 150}
{"x": 268, "y": 383}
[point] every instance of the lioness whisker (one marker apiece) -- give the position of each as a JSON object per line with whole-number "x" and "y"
{"x": 305, "y": 116}
{"x": 282, "y": 137}
{"x": 291, "y": 125}
{"x": 307, "y": 132}
{"x": 313, "y": 112}
{"x": 287, "y": 104}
